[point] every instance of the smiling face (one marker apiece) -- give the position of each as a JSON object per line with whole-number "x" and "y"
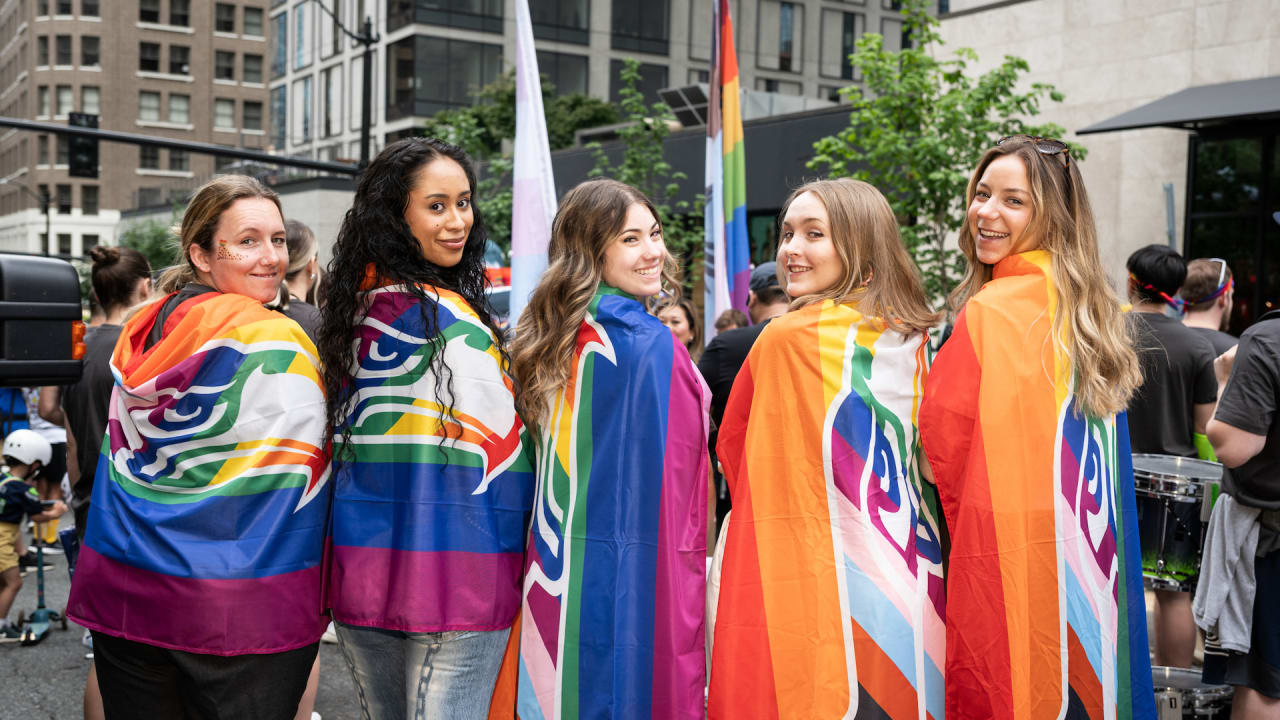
{"x": 673, "y": 317}
{"x": 1001, "y": 210}
{"x": 438, "y": 211}
{"x": 633, "y": 260}
{"x": 249, "y": 254}
{"x": 806, "y": 253}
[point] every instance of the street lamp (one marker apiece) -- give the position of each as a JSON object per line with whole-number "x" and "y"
{"x": 368, "y": 39}
{"x": 44, "y": 200}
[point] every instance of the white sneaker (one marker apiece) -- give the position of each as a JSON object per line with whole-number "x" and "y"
{"x": 329, "y": 636}
{"x": 87, "y": 639}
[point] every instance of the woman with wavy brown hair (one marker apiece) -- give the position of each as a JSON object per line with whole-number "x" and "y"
{"x": 611, "y": 624}
{"x": 1023, "y": 423}
{"x": 680, "y": 317}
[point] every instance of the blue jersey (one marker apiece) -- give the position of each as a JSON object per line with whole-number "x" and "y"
{"x": 17, "y": 499}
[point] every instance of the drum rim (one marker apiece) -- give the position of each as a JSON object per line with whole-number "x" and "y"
{"x": 1190, "y": 462}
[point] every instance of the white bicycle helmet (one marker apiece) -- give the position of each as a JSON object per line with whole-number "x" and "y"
{"x": 26, "y": 446}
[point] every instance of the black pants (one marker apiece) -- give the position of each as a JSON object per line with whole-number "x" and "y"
{"x": 1260, "y": 668}
{"x": 145, "y": 682}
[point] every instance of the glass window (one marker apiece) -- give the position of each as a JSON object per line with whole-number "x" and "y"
{"x": 64, "y": 50}
{"x": 895, "y": 34}
{"x": 641, "y": 26}
{"x": 149, "y": 57}
{"x": 484, "y": 15}
{"x": 252, "y": 115}
{"x": 64, "y": 239}
{"x": 331, "y": 101}
{"x": 63, "y": 150}
{"x": 64, "y": 7}
{"x": 150, "y": 196}
{"x": 782, "y": 87}
{"x": 179, "y": 160}
{"x": 149, "y": 106}
{"x": 224, "y": 18}
{"x": 88, "y": 242}
{"x": 149, "y": 11}
{"x": 699, "y": 76}
{"x": 89, "y": 8}
{"x": 253, "y": 22}
{"x": 42, "y": 50}
{"x": 280, "y": 48}
{"x": 65, "y": 100}
{"x": 180, "y": 12}
{"x": 42, "y": 149}
{"x": 252, "y": 71}
{"x": 224, "y": 65}
{"x": 652, "y": 79}
{"x": 64, "y": 207}
{"x": 42, "y": 8}
{"x": 301, "y": 38}
{"x": 779, "y": 36}
{"x": 179, "y": 108}
{"x": 840, "y": 31}
{"x": 330, "y": 32}
{"x": 561, "y": 20}
{"x": 302, "y": 106}
{"x": 428, "y": 74}
{"x": 90, "y": 99}
{"x": 700, "y": 29}
{"x": 279, "y": 117}
{"x": 567, "y": 72}
{"x": 179, "y": 60}
{"x": 224, "y": 114}
{"x": 42, "y": 98}
{"x": 90, "y": 50}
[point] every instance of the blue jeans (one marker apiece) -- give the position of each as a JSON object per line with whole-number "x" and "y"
{"x": 420, "y": 676}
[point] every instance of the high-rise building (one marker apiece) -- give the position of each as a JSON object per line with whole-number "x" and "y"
{"x": 435, "y": 55}
{"x": 183, "y": 69}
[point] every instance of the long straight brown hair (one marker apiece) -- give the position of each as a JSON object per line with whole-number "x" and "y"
{"x": 877, "y": 273}
{"x": 589, "y": 219}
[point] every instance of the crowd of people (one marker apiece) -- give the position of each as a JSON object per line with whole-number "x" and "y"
{"x": 820, "y": 514}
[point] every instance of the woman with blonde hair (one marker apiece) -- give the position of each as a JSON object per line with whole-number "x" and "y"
{"x": 614, "y": 589}
{"x": 1023, "y": 423}
{"x": 682, "y": 320}
{"x": 831, "y": 588}
{"x": 200, "y": 574}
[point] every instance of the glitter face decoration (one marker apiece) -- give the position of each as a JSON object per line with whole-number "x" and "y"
{"x": 249, "y": 255}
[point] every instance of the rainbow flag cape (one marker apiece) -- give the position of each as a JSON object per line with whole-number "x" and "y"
{"x": 615, "y": 579}
{"x": 429, "y": 506}
{"x": 1045, "y": 610}
{"x": 831, "y": 592}
{"x": 206, "y": 529}
{"x": 727, "y": 257}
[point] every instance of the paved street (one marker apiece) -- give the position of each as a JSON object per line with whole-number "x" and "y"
{"x": 46, "y": 681}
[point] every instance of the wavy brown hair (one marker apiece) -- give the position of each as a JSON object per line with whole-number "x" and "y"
{"x": 1088, "y": 327}
{"x": 878, "y": 275}
{"x": 590, "y": 217}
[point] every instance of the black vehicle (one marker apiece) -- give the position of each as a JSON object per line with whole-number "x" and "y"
{"x": 41, "y": 323}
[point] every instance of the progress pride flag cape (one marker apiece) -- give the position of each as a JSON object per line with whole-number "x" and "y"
{"x": 831, "y": 591}
{"x": 207, "y": 523}
{"x": 615, "y": 586}
{"x": 1045, "y": 610}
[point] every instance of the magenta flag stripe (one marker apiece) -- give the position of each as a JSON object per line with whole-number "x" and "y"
{"x": 196, "y": 614}
{"x": 381, "y": 587}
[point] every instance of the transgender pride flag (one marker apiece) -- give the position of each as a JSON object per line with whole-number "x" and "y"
{"x": 725, "y": 260}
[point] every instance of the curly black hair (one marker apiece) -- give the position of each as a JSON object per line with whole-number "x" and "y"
{"x": 375, "y": 239}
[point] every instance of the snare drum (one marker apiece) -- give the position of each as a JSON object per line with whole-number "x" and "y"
{"x": 1174, "y": 497}
{"x": 1181, "y": 694}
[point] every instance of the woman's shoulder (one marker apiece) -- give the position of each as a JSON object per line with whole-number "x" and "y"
{"x": 1013, "y": 297}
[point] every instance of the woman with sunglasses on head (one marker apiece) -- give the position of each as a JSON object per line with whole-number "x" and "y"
{"x": 831, "y": 589}
{"x": 431, "y": 487}
{"x": 1023, "y": 423}
{"x": 615, "y": 585}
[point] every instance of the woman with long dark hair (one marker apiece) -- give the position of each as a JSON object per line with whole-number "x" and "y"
{"x": 431, "y": 487}
{"x": 614, "y": 597}
{"x": 1023, "y": 424}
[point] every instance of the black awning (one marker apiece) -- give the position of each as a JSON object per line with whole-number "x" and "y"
{"x": 1198, "y": 107}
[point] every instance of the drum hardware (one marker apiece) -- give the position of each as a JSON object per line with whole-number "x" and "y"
{"x": 1181, "y": 695}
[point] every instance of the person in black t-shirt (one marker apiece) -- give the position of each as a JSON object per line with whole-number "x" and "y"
{"x": 1207, "y": 294}
{"x": 1172, "y": 405}
{"x": 1245, "y": 432}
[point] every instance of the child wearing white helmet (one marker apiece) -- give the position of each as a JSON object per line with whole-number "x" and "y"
{"x": 25, "y": 452}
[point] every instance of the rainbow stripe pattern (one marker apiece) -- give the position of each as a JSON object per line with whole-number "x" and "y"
{"x": 208, "y": 514}
{"x": 832, "y": 596}
{"x": 727, "y": 271}
{"x": 1045, "y": 613}
{"x": 429, "y": 505}
{"x": 615, "y": 580}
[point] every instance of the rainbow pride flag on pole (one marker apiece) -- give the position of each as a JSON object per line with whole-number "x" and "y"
{"x": 206, "y": 530}
{"x": 1045, "y": 609}
{"x": 726, "y": 257}
{"x": 615, "y": 580}
{"x": 832, "y": 599}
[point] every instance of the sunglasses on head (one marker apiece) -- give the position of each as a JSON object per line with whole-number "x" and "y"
{"x": 1224, "y": 284}
{"x": 1043, "y": 145}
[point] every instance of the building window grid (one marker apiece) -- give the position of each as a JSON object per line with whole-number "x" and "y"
{"x": 89, "y": 200}
{"x": 179, "y": 161}
{"x": 90, "y": 51}
{"x": 149, "y": 11}
{"x": 280, "y": 48}
{"x": 253, "y": 22}
{"x": 840, "y": 31}
{"x": 180, "y": 13}
{"x": 252, "y": 115}
{"x": 63, "y": 50}
{"x": 567, "y": 21}
{"x": 42, "y": 149}
{"x": 224, "y": 18}
{"x": 64, "y": 202}
{"x": 224, "y": 114}
{"x": 42, "y": 50}
{"x": 482, "y": 15}
{"x": 89, "y": 8}
{"x": 63, "y": 149}
{"x": 64, "y": 100}
{"x": 642, "y": 27}
{"x": 429, "y": 74}
{"x": 179, "y": 109}
{"x": 224, "y": 65}
{"x": 149, "y": 106}
{"x": 251, "y": 72}
{"x": 91, "y": 99}
{"x": 149, "y": 57}
{"x": 179, "y": 60}
{"x": 148, "y": 157}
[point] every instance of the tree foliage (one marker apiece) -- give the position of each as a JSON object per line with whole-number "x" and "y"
{"x": 643, "y": 167}
{"x": 155, "y": 240}
{"x": 918, "y": 127}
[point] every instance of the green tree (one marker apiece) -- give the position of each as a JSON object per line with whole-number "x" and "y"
{"x": 918, "y": 128}
{"x": 154, "y": 240}
{"x": 643, "y": 167}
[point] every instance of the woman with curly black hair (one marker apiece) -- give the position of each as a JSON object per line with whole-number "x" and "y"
{"x": 431, "y": 486}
